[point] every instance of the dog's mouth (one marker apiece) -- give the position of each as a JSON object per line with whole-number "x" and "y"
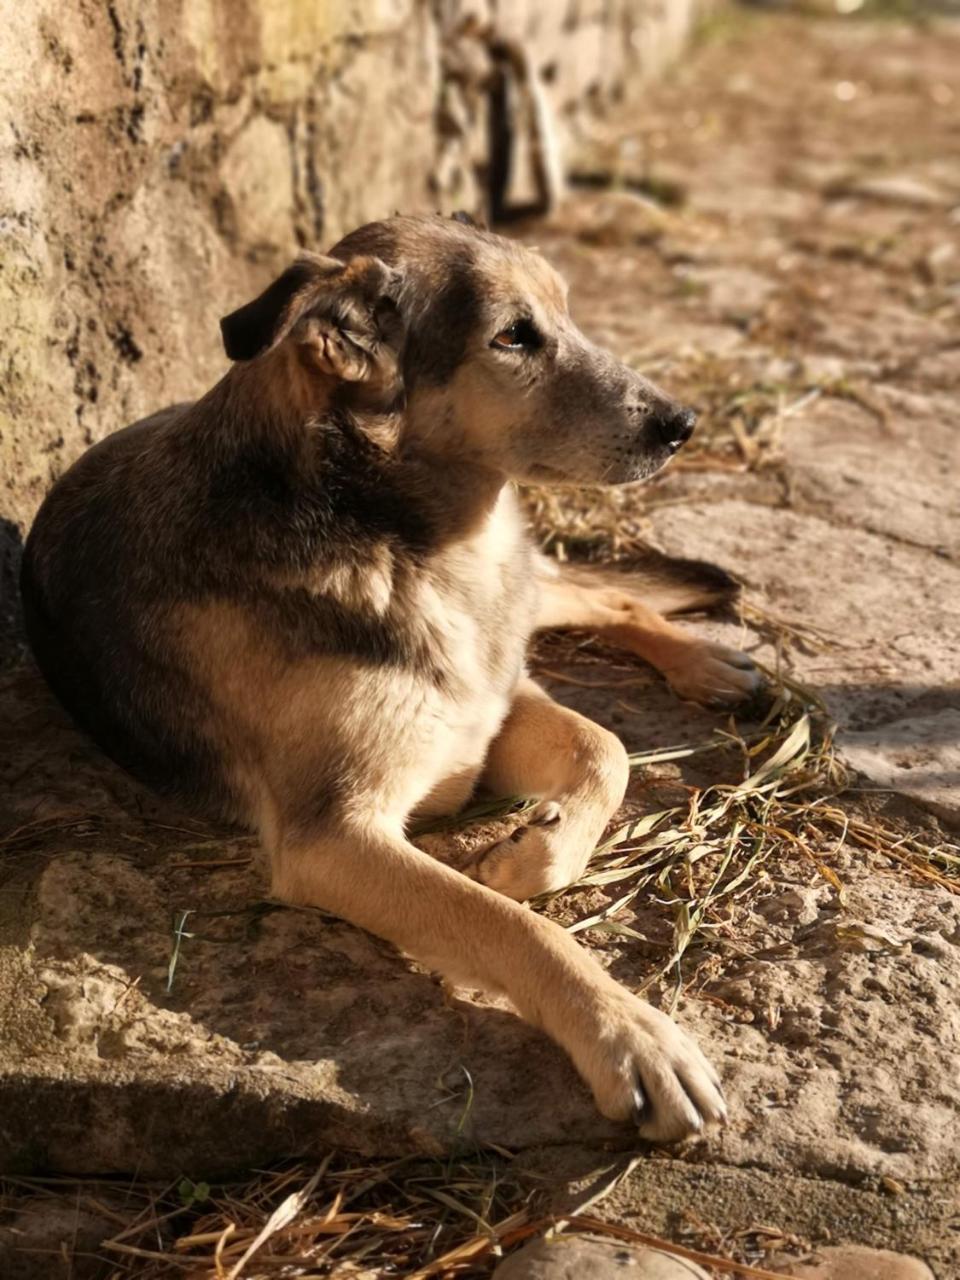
{"x": 642, "y": 470}
{"x": 540, "y": 472}
{"x": 623, "y": 471}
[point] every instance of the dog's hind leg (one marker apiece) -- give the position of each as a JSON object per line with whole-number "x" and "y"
{"x": 639, "y": 1065}
{"x": 576, "y": 770}
{"x": 697, "y": 670}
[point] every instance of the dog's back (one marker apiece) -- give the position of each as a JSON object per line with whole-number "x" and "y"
{"x": 91, "y": 603}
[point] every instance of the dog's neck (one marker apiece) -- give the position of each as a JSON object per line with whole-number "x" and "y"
{"x": 275, "y": 389}
{"x": 274, "y": 401}
{"x": 460, "y": 496}
{"x": 450, "y": 474}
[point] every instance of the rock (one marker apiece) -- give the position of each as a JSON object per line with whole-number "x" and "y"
{"x": 854, "y": 1262}
{"x": 735, "y": 293}
{"x": 917, "y": 757}
{"x": 895, "y": 189}
{"x": 258, "y": 197}
{"x": 838, "y": 452}
{"x": 571, "y": 1257}
{"x": 44, "y": 1238}
{"x": 939, "y": 264}
{"x": 891, "y": 612}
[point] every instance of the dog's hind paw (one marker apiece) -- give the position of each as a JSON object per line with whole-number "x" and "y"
{"x": 530, "y": 860}
{"x": 713, "y": 675}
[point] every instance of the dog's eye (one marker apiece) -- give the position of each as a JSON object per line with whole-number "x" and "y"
{"x": 519, "y": 336}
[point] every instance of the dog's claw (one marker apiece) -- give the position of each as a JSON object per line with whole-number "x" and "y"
{"x": 715, "y": 676}
{"x": 545, "y": 815}
{"x": 640, "y": 1105}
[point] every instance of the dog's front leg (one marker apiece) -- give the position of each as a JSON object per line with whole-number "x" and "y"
{"x": 575, "y": 769}
{"x": 638, "y": 1063}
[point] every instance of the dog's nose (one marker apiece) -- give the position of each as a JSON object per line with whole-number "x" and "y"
{"x": 674, "y": 426}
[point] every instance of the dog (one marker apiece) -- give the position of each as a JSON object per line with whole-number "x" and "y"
{"x": 303, "y": 604}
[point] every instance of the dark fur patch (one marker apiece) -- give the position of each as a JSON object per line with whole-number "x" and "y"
{"x": 376, "y": 239}
{"x": 254, "y": 328}
{"x": 707, "y": 585}
{"x": 671, "y": 584}
{"x": 437, "y": 340}
{"x": 283, "y": 504}
{"x": 304, "y": 624}
{"x": 146, "y": 522}
{"x": 124, "y": 707}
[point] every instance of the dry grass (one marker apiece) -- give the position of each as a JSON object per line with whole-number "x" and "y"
{"x": 411, "y": 1218}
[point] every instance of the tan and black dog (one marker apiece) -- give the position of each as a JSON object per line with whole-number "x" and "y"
{"x": 303, "y": 603}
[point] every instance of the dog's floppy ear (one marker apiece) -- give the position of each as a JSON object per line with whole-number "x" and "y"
{"x": 251, "y": 330}
{"x": 352, "y": 330}
{"x": 341, "y": 315}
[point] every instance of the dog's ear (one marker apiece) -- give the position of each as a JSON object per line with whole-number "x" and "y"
{"x": 338, "y": 313}
{"x": 352, "y": 329}
{"x": 253, "y": 329}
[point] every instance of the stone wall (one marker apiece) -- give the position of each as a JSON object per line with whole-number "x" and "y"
{"x": 159, "y": 159}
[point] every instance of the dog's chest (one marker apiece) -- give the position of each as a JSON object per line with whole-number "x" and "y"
{"x": 478, "y": 600}
{"x": 477, "y": 604}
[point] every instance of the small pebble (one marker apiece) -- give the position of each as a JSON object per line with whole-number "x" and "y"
{"x": 594, "y": 1258}
{"x": 855, "y": 1262}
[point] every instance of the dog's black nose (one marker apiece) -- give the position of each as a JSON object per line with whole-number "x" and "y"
{"x": 674, "y": 426}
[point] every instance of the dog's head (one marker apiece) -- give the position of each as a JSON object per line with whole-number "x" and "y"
{"x": 493, "y": 369}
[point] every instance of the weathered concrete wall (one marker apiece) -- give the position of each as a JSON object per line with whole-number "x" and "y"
{"x": 160, "y": 158}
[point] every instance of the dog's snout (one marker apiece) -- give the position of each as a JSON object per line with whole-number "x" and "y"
{"x": 674, "y": 426}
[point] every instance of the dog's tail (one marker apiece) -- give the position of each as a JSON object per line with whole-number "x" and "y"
{"x": 669, "y": 584}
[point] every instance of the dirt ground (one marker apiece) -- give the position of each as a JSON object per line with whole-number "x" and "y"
{"x": 776, "y": 238}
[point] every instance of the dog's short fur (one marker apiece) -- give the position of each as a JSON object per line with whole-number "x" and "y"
{"x": 303, "y": 603}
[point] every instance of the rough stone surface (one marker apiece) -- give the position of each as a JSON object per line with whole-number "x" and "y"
{"x": 917, "y": 757}
{"x": 573, "y": 1257}
{"x": 775, "y": 1216}
{"x": 850, "y": 1262}
{"x": 888, "y": 613}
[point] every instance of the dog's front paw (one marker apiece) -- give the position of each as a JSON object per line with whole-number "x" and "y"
{"x": 643, "y": 1067}
{"x": 713, "y": 675}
